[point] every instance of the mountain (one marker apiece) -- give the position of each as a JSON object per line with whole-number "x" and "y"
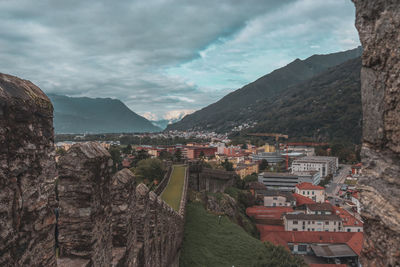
{"x": 326, "y": 107}
{"x": 96, "y": 115}
{"x": 237, "y": 107}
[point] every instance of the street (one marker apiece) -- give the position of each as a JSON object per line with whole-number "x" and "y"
{"x": 334, "y": 186}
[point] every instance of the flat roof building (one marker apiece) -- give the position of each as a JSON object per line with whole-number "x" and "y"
{"x": 325, "y": 165}
{"x": 278, "y": 181}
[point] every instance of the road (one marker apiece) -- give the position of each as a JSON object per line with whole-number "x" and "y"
{"x": 333, "y": 187}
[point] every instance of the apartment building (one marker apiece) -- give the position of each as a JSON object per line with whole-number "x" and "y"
{"x": 299, "y": 221}
{"x": 315, "y": 192}
{"x": 325, "y": 165}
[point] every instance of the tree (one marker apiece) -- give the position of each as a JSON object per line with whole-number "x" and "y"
{"x": 115, "y": 156}
{"x": 150, "y": 169}
{"x": 165, "y": 155}
{"x": 178, "y": 155}
{"x": 263, "y": 165}
{"x": 227, "y": 165}
{"x": 202, "y": 155}
{"x": 127, "y": 149}
{"x": 251, "y": 178}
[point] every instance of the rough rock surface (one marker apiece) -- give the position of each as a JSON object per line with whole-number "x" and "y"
{"x": 378, "y": 23}
{"x": 205, "y": 179}
{"x": 27, "y": 172}
{"x": 85, "y": 204}
{"x": 123, "y": 199}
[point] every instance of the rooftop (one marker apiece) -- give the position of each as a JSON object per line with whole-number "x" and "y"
{"x": 301, "y": 200}
{"x": 309, "y": 186}
{"x": 347, "y": 218}
{"x": 316, "y": 217}
{"x": 278, "y": 174}
{"x": 353, "y": 240}
{"x": 320, "y": 207}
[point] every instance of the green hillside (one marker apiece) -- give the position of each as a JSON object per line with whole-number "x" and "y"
{"x": 208, "y": 243}
{"x": 234, "y": 109}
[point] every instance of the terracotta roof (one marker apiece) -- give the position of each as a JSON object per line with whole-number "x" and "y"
{"x": 301, "y": 200}
{"x": 261, "y": 212}
{"x": 309, "y": 186}
{"x": 347, "y": 218}
{"x": 355, "y": 195}
{"x": 356, "y": 242}
{"x": 269, "y": 228}
{"x": 353, "y": 240}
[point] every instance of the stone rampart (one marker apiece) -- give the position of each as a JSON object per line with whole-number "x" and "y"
{"x": 27, "y": 173}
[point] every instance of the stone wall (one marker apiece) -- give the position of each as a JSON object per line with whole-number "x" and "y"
{"x": 27, "y": 172}
{"x": 84, "y": 185}
{"x": 110, "y": 221}
{"x": 205, "y": 179}
{"x": 378, "y": 24}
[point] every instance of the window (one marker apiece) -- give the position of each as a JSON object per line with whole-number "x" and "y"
{"x": 302, "y": 248}
{"x": 295, "y": 229}
{"x": 275, "y": 198}
{"x": 313, "y": 229}
{"x": 326, "y": 222}
{"x": 295, "y": 222}
{"x": 334, "y": 223}
{"x": 348, "y": 230}
{"x": 308, "y": 222}
{"x": 358, "y": 230}
{"x": 308, "y": 192}
{"x": 304, "y": 192}
{"x": 326, "y": 231}
{"x": 312, "y": 192}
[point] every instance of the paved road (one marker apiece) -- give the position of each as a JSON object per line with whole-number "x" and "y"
{"x": 333, "y": 188}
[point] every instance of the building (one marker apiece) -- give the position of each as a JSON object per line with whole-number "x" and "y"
{"x": 278, "y": 181}
{"x": 299, "y": 221}
{"x": 325, "y": 165}
{"x": 194, "y": 152}
{"x": 313, "y": 177}
{"x": 243, "y": 169}
{"x": 319, "y": 209}
{"x": 356, "y": 169}
{"x": 324, "y": 245}
{"x": 272, "y": 158}
{"x": 350, "y": 222}
{"x": 275, "y": 198}
{"x": 268, "y": 215}
{"x": 355, "y": 199}
{"x": 315, "y": 192}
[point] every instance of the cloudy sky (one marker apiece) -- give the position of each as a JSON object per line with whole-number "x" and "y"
{"x": 164, "y": 57}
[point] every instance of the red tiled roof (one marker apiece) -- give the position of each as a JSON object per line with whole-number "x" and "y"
{"x": 352, "y": 239}
{"x": 356, "y": 242}
{"x": 261, "y": 212}
{"x": 276, "y": 240}
{"x": 309, "y": 186}
{"x": 301, "y": 200}
{"x": 270, "y": 228}
{"x": 355, "y": 195}
{"x": 347, "y": 218}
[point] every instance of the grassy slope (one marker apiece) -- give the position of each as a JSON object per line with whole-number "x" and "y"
{"x": 173, "y": 192}
{"x": 207, "y": 243}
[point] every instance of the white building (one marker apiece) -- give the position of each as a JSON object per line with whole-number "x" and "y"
{"x": 312, "y": 177}
{"x": 325, "y": 165}
{"x": 315, "y": 192}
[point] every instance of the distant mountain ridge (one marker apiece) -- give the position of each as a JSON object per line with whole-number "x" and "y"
{"x": 96, "y": 115}
{"x": 233, "y": 109}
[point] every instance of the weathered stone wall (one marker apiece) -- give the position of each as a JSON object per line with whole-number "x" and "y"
{"x": 27, "y": 172}
{"x": 378, "y": 23}
{"x": 84, "y": 185}
{"x": 123, "y": 217}
{"x": 205, "y": 179}
{"x": 110, "y": 221}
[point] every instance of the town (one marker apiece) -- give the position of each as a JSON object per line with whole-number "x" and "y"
{"x": 304, "y": 202}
